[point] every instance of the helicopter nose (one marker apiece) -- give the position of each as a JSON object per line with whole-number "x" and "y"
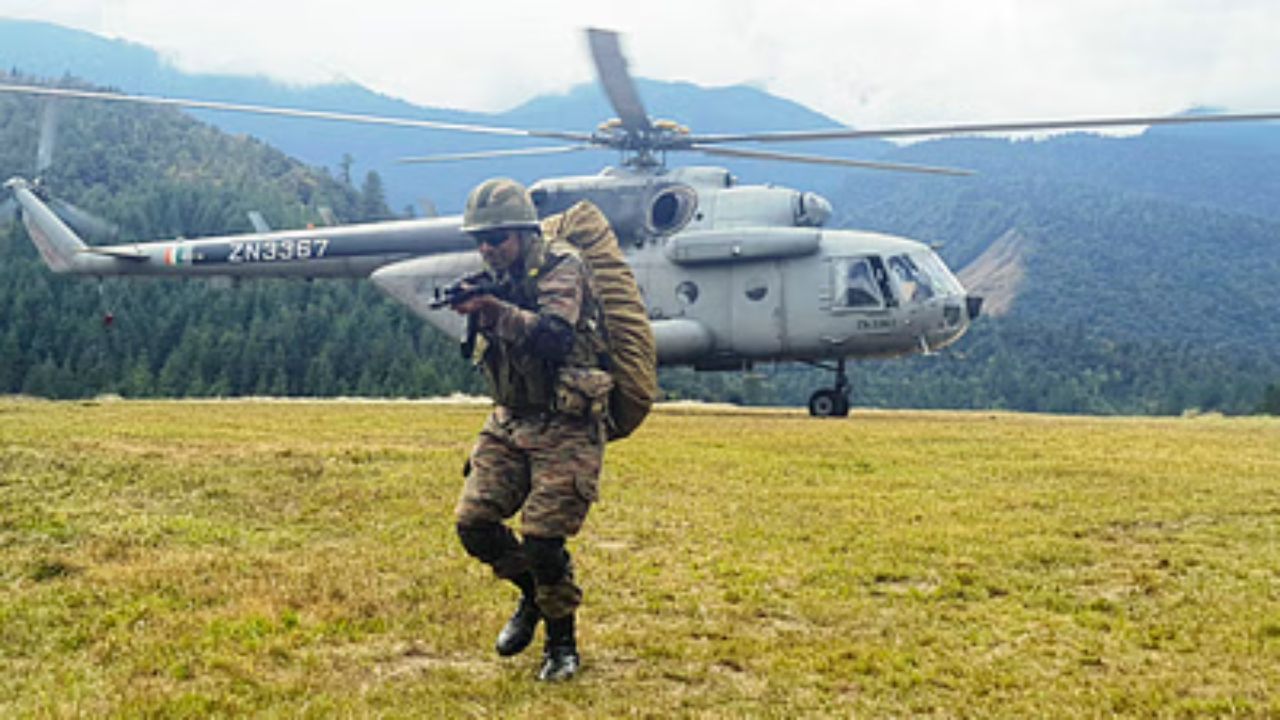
{"x": 973, "y": 305}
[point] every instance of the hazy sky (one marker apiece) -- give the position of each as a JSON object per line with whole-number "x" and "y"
{"x": 867, "y": 63}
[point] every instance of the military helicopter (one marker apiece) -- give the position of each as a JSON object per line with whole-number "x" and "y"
{"x": 732, "y": 275}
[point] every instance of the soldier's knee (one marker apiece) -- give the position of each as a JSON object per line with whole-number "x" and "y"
{"x": 548, "y": 559}
{"x": 494, "y": 544}
{"x": 486, "y": 541}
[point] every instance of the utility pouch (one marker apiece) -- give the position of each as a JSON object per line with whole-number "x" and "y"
{"x": 582, "y": 392}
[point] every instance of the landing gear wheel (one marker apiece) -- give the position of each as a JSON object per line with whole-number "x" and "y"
{"x": 832, "y": 402}
{"x": 828, "y": 403}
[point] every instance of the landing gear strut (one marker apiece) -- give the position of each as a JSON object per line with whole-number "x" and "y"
{"x": 832, "y": 402}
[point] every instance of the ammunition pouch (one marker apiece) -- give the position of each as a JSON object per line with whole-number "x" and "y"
{"x": 582, "y": 392}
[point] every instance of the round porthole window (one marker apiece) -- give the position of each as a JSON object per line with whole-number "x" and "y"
{"x": 687, "y": 293}
{"x": 757, "y": 289}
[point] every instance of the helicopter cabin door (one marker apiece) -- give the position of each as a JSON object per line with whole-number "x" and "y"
{"x": 759, "y": 326}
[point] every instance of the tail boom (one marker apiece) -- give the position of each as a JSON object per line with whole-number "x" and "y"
{"x": 343, "y": 251}
{"x": 60, "y": 248}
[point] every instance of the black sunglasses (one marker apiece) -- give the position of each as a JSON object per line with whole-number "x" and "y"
{"x": 492, "y": 238}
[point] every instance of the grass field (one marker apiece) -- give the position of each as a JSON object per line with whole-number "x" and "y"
{"x": 298, "y": 559}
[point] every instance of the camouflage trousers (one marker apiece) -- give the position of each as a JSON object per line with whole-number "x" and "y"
{"x": 545, "y": 466}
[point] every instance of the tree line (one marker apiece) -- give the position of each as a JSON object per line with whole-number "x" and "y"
{"x": 158, "y": 173}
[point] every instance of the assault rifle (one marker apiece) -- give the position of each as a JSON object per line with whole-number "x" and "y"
{"x": 463, "y": 289}
{"x": 460, "y": 291}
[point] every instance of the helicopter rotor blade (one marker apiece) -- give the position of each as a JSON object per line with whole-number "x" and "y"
{"x": 611, "y": 69}
{"x": 486, "y": 154}
{"x": 974, "y": 128}
{"x": 48, "y": 136}
{"x": 258, "y": 222}
{"x": 84, "y": 222}
{"x": 295, "y": 113}
{"x": 827, "y": 160}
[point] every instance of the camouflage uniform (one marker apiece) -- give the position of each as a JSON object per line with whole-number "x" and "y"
{"x": 541, "y": 449}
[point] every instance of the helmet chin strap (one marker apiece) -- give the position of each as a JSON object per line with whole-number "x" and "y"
{"x": 527, "y": 238}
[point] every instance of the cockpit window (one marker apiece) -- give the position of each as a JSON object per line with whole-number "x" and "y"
{"x": 855, "y": 284}
{"x": 943, "y": 281}
{"x": 914, "y": 284}
{"x": 922, "y": 276}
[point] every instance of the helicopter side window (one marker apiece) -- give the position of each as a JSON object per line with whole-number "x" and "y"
{"x": 856, "y": 286}
{"x": 916, "y": 285}
{"x": 687, "y": 292}
{"x": 882, "y": 280}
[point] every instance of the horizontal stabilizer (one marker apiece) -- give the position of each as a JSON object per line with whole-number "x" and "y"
{"x": 117, "y": 251}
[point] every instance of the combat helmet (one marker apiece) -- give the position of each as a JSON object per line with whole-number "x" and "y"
{"x": 499, "y": 204}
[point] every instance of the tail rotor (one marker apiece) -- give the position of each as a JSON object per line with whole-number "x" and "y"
{"x": 80, "y": 220}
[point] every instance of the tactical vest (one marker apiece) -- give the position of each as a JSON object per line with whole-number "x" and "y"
{"x": 516, "y": 378}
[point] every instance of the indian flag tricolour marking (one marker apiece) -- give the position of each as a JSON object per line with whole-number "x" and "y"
{"x": 176, "y": 255}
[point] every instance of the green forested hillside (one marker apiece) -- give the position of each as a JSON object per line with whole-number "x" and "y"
{"x": 160, "y": 174}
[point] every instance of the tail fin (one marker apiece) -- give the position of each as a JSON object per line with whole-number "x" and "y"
{"x": 59, "y": 246}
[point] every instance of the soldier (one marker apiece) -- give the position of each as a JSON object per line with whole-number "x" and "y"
{"x": 540, "y": 450}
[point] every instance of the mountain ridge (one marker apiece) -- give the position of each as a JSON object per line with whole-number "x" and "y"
{"x": 51, "y": 51}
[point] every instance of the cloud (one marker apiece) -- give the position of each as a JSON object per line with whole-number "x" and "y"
{"x": 870, "y": 63}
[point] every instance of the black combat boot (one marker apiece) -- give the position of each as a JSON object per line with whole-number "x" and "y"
{"x": 519, "y": 630}
{"x": 560, "y": 659}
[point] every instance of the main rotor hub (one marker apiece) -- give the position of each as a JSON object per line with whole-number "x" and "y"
{"x": 640, "y": 146}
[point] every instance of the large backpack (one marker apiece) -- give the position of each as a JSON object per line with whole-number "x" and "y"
{"x": 633, "y": 354}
